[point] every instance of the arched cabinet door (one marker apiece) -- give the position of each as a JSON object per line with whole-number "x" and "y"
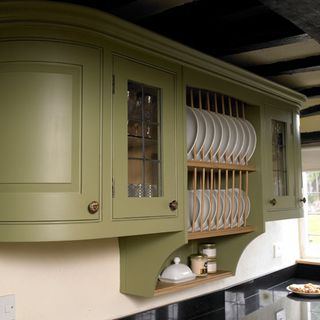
{"x": 49, "y": 130}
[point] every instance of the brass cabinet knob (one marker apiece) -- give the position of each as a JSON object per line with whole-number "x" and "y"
{"x": 304, "y": 200}
{"x": 93, "y": 207}
{"x": 173, "y": 205}
{"x": 273, "y": 201}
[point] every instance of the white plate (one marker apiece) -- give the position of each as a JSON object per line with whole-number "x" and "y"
{"x": 192, "y": 277}
{"x": 239, "y": 204}
{"x": 205, "y": 206}
{"x": 202, "y": 129}
{"x": 253, "y": 137}
{"x": 213, "y": 207}
{"x": 218, "y": 135}
{"x": 225, "y": 139}
{"x": 210, "y": 134}
{"x": 225, "y": 204}
{"x": 233, "y": 139}
{"x": 307, "y": 295}
{"x": 240, "y": 146}
{"x": 247, "y": 141}
{"x": 192, "y": 130}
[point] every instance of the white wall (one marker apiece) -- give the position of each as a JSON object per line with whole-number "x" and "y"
{"x": 80, "y": 280}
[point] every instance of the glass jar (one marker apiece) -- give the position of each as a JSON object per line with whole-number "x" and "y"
{"x": 208, "y": 249}
{"x": 199, "y": 264}
{"x": 212, "y": 265}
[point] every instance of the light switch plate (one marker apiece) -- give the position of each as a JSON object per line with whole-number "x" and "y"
{"x": 7, "y": 307}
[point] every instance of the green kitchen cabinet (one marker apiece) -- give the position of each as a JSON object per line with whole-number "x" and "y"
{"x": 282, "y": 164}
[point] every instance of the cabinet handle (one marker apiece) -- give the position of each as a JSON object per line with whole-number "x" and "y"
{"x": 93, "y": 207}
{"x": 304, "y": 200}
{"x": 173, "y": 205}
{"x": 273, "y": 201}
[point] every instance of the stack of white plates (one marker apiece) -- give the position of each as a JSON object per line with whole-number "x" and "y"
{"x": 220, "y": 138}
{"x": 232, "y": 208}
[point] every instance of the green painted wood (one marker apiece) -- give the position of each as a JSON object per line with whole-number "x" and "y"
{"x": 126, "y": 70}
{"x": 49, "y": 130}
{"x": 286, "y": 206}
{"x": 141, "y": 259}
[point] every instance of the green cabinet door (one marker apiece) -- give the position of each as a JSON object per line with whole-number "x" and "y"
{"x": 281, "y": 169}
{"x": 145, "y": 146}
{"x": 49, "y": 131}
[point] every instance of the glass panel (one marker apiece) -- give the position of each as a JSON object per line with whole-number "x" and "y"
{"x": 144, "y": 141}
{"x": 279, "y": 158}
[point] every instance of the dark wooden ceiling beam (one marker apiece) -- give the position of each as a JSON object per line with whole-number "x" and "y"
{"x": 310, "y": 138}
{"x": 270, "y": 44}
{"x": 310, "y": 91}
{"x": 288, "y": 67}
{"x": 303, "y": 13}
{"x": 311, "y": 111}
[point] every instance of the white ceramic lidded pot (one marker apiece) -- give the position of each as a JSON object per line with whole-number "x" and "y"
{"x": 177, "y": 272}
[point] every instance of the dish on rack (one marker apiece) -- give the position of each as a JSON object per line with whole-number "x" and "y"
{"x": 247, "y": 141}
{"x": 233, "y": 140}
{"x": 240, "y": 146}
{"x": 309, "y": 290}
{"x": 202, "y": 131}
{"x": 210, "y": 133}
{"x": 225, "y": 139}
{"x": 192, "y": 131}
{"x": 218, "y": 136}
{"x": 253, "y": 143}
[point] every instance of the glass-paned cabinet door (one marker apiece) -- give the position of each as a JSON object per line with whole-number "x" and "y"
{"x": 144, "y": 159}
{"x": 280, "y": 174}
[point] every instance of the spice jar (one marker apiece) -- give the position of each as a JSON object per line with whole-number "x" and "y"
{"x": 212, "y": 265}
{"x": 199, "y": 264}
{"x": 209, "y": 249}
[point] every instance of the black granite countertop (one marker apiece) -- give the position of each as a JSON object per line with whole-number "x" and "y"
{"x": 264, "y": 298}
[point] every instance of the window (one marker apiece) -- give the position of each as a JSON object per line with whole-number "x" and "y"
{"x": 310, "y": 233}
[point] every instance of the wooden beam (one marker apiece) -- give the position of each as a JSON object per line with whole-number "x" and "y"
{"x": 303, "y": 13}
{"x": 288, "y": 67}
{"x": 269, "y": 44}
{"x": 310, "y": 137}
{"x": 311, "y": 111}
{"x": 310, "y": 91}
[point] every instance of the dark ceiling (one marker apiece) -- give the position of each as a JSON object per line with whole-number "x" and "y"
{"x": 276, "y": 39}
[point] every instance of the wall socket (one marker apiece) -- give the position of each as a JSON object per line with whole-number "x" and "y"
{"x": 7, "y": 307}
{"x": 277, "y": 249}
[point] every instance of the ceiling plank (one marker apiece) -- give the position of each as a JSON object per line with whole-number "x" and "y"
{"x": 310, "y": 137}
{"x": 139, "y": 9}
{"x": 303, "y": 13}
{"x": 311, "y": 111}
{"x": 288, "y": 67}
{"x": 309, "y": 92}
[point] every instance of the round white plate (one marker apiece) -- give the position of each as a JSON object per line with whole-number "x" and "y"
{"x": 218, "y": 136}
{"x": 191, "y": 201}
{"x": 210, "y": 133}
{"x": 213, "y": 207}
{"x": 307, "y": 295}
{"x": 202, "y": 129}
{"x": 233, "y": 139}
{"x": 204, "y": 210}
{"x": 247, "y": 141}
{"x": 238, "y": 204}
{"x": 225, "y": 139}
{"x": 192, "y": 130}
{"x": 240, "y": 146}
{"x": 253, "y": 138}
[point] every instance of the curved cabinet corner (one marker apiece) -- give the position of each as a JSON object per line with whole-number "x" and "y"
{"x": 141, "y": 258}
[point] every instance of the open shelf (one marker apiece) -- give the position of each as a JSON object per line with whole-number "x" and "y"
{"x": 163, "y": 288}
{"x": 216, "y": 165}
{"x": 219, "y": 233}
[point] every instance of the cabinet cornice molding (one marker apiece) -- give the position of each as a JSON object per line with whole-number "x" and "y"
{"x": 117, "y": 29}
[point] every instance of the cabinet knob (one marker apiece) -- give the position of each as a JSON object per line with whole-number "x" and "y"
{"x": 93, "y": 207}
{"x": 304, "y": 200}
{"x": 273, "y": 201}
{"x": 173, "y": 205}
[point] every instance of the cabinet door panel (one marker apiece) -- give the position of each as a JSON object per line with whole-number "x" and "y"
{"x": 280, "y": 169}
{"x": 49, "y": 131}
{"x": 144, "y": 159}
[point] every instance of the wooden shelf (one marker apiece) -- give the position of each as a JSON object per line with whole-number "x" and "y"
{"x": 224, "y": 166}
{"x": 163, "y": 288}
{"x": 219, "y": 233}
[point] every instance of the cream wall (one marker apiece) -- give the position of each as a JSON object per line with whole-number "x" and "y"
{"x": 80, "y": 280}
